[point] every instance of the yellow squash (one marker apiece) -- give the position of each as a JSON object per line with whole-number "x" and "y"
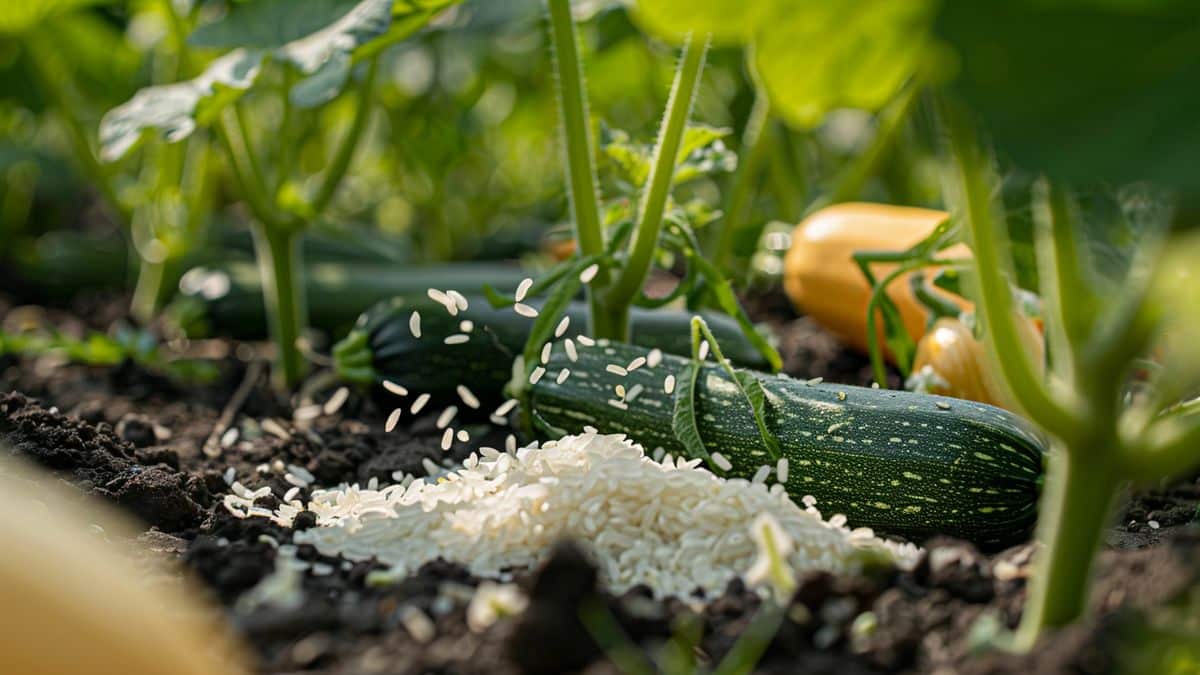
{"x": 823, "y": 281}
{"x": 951, "y": 362}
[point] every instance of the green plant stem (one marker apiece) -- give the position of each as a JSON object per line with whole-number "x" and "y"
{"x": 1058, "y": 269}
{"x": 752, "y": 152}
{"x": 249, "y": 156}
{"x": 345, "y": 152}
{"x": 994, "y": 295}
{"x": 580, "y": 158}
{"x": 279, "y": 263}
{"x": 253, "y": 190}
{"x": 151, "y": 290}
{"x": 1073, "y": 514}
{"x": 644, "y": 239}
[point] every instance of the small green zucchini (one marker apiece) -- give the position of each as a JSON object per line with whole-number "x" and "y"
{"x": 227, "y": 299}
{"x": 476, "y": 346}
{"x": 905, "y": 464}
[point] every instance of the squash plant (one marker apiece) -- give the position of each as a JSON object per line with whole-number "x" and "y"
{"x": 1108, "y": 428}
{"x": 304, "y": 57}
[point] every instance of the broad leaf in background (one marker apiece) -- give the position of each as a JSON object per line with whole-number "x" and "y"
{"x": 19, "y": 16}
{"x": 811, "y": 56}
{"x": 175, "y": 110}
{"x": 1084, "y": 91}
{"x": 323, "y": 39}
{"x": 818, "y": 56}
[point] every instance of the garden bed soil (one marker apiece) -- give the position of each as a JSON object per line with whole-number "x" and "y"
{"x": 136, "y": 439}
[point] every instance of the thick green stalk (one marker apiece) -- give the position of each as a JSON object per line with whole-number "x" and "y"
{"x": 995, "y": 303}
{"x": 151, "y": 290}
{"x": 253, "y": 190}
{"x": 279, "y": 263}
{"x": 657, "y": 190}
{"x": 1059, "y": 270}
{"x": 580, "y": 158}
{"x": 753, "y": 149}
{"x": 1073, "y": 514}
{"x": 345, "y": 152}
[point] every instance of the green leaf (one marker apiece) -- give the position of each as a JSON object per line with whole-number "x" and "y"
{"x": 683, "y": 420}
{"x": 728, "y": 302}
{"x": 176, "y": 110}
{"x": 20, "y": 16}
{"x": 323, "y": 39}
{"x": 749, "y": 386}
{"x": 1084, "y": 91}
{"x": 818, "y": 56}
{"x": 701, "y": 153}
{"x": 728, "y": 21}
{"x": 811, "y": 56}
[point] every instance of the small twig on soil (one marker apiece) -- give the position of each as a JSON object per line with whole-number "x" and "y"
{"x": 212, "y": 445}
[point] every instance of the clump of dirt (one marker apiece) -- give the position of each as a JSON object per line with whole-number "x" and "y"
{"x": 96, "y": 460}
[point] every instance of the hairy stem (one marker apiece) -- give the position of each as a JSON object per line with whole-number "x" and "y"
{"x": 279, "y": 264}
{"x": 580, "y": 166}
{"x": 994, "y": 295}
{"x": 658, "y": 188}
{"x": 345, "y": 152}
{"x": 1073, "y": 513}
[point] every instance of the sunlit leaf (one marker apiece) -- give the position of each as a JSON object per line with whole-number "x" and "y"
{"x": 812, "y": 56}
{"x": 818, "y": 56}
{"x": 323, "y": 39}
{"x": 176, "y": 110}
{"x": 726, "y": 20}
{"x": 19, "y": 16}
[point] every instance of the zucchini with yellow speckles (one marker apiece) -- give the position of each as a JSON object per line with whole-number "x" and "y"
{"x": 906, "y": 464}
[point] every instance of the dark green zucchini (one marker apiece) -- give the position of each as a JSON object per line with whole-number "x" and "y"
{"x": 227, "y": 300}
{"x": 382, "y": 346}
{"x": 905, "y": 464}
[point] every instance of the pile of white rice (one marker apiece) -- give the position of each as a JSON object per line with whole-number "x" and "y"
{"x": 671, "y": 525}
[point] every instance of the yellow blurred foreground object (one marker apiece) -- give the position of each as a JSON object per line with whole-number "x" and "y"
{"x": 823, "y": 281}
{"x": 71, "y": 602}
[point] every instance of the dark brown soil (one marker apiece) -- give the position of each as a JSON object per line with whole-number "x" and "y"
{"x": 137, "y": 440}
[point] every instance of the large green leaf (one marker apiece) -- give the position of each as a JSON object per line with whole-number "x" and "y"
{"x": 19, "y": 16}
{"x": 726, "y": 20}
{"x": 322, "y": 38}
{"x": 175, "y": 110}
{"x": 818, "y": 56}
{"x": 1085, "y": 91}
{"x": 811, "y": 55}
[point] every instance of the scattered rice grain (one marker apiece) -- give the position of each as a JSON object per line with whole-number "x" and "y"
{"x": 525, "y": 310}
{"x": 419, "y": 403}
{"x": 392, "y": 420}
{"x": 336, "y": 401}
{"x": 467, "y": 396}
{"x": 523, "y": 289}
